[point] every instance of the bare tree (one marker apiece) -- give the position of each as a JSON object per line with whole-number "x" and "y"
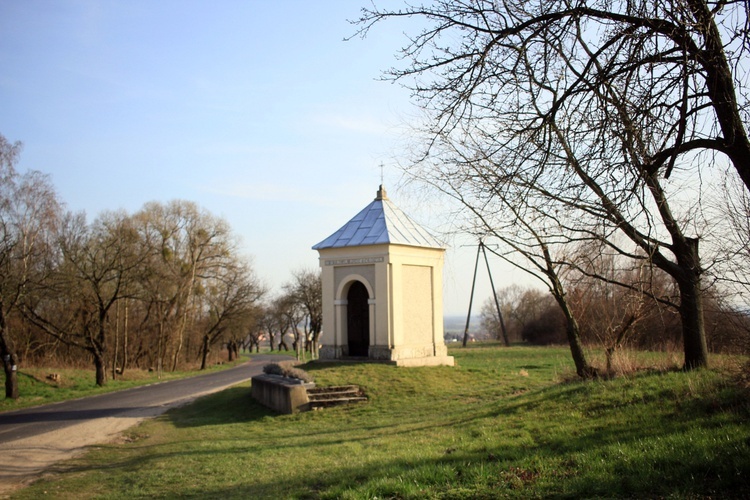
{"x": 268, "y": 324}
{"x": 282, "y": 315}
{"x": 255, "y": 330}
{"x": 610, "y": 296}
{"x": 307, "y": 291}
{"x": 74, "y": 304}
{"x": 229, "y": 300}
{"x": 29, "y": 211}
{"x": 294, "y": 315}
{"x": 680, "y": 63}
{"x": 596, "y": 115}
{"x": 529, "y": 235}
{"x": 247, "y": 333}
{"x": 186, "y": 246}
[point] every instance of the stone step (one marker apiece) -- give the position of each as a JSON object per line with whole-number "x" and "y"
{"x": 316, "y": 405}
{"x": 335, "y": 388}
{"x": 324, "y": 397}
{"x": 333, "y": 395}
{"x": 318, "y": 396}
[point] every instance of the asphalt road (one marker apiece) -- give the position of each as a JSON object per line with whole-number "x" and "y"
{"x": 147, "y": 400}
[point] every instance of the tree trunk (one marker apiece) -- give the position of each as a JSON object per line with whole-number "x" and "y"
{"x": 11, "y": 376}
{"x": 10, "y": 359}
{"x": 125, "y": 341}
{"x": 691, "y": 307}
{"x": 233, "y": 349}
{"x": 316, "y": 345}
{"x": 204, "y": 356}
{"x": 583, "y": 369}
{"x": 160, "y": 350}
{"x": 178, "y": 349}
{"x": 572, "y": 330}
{"x": 101, "y": 368}
{"x": 117, "y": 341}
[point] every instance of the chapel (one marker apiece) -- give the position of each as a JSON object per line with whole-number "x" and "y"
{"x": 382, "y": 281}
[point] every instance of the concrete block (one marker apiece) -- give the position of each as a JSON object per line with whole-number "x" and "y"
{"x": 281, "y": 394}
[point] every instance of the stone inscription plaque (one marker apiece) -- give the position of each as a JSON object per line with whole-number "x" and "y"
{"x": 353, "y": 262}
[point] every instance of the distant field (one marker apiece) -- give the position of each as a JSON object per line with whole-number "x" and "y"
{"x": 505, "y": 422}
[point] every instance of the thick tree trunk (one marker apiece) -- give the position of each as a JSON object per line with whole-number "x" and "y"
{"x": 691, "y": 307}
{"x": 10, "y": 365}
{"x": 693, "y": 328}
{"x": 101, "y": 368}
{"x": 10, "y": 358}
{"x": 11, "y": 376}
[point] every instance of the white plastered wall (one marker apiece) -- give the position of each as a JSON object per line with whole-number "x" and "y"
{"x": 406, "y": 307}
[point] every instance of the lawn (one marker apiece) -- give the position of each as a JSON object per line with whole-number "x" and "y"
{"x": 505, "y": 422}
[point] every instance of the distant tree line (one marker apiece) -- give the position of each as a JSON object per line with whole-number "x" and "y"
{"x": 163, "y": 288}
{"x": 634, "y": 307}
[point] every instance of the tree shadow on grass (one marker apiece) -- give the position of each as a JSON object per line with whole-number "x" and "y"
{"x": 230, "y": 406}
{"x": 557, "y": 465}
{"x": 471, "y": 472}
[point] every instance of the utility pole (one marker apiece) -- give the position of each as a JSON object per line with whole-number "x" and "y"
{"x": 481, "y": 248}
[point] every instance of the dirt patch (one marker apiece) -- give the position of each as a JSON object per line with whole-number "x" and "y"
{"x": 25, "y": 460}
{"x": 22, "y": 461}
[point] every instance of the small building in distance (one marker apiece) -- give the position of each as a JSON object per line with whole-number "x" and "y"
{"x": 382, "y": 280}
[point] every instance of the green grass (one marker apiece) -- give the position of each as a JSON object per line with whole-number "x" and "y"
{"x": 503, "y": 423}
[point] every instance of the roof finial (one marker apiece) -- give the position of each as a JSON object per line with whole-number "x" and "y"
{"x": 382, "y": 195}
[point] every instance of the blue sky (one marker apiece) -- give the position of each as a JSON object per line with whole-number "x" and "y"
{"x": 256, "y": 110}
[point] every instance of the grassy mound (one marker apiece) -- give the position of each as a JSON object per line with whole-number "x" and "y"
{"x": 506, "y": 422}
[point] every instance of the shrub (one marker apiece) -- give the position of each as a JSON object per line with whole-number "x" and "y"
{"x": 273, "y": 369}
{"x": 548, "y": 328}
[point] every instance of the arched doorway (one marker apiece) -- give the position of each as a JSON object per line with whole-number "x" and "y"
{"x": 358, "y": 320}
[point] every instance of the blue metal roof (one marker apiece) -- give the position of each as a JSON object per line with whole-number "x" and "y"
{"x": 380, "y": 222}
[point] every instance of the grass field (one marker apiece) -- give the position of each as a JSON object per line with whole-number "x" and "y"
{"x": 506, "y": 422}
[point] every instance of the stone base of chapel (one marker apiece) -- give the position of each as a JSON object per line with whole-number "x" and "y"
{"x": 428, "y": 355}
